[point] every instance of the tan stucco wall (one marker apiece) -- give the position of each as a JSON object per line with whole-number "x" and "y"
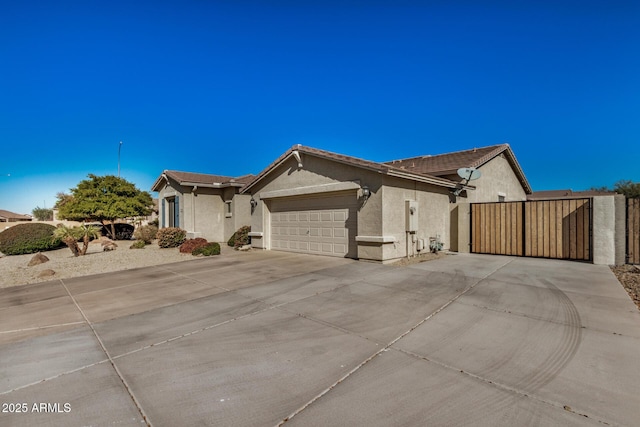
{"x": 433, "y": 215}
{"x": 202, "y": 214}
{"x": 461, "y": 228}
{"x": 241, "y": 213}
{"x": 497, "y": 176}
{"x": 318, "y": 171}
{"x": 383, "y": 214}
{"x": 209, "y": 214}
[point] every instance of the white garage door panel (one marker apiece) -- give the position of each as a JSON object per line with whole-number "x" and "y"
{"x": 316, "y": 225}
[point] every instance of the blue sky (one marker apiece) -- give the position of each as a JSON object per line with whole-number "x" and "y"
{"x": 225, "y": 87}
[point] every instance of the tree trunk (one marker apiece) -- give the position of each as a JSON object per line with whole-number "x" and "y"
{"x": 85, "y": 244}
{"x": 111, "y": 230}
{"x": 73, "y": 245}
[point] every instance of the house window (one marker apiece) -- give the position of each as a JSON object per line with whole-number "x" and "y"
{"x": 227, "y": 209}
{"x": 502, "y": 197}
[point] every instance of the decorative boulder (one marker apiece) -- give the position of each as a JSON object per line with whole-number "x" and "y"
{"x": 37, "y": 259}
{"x": 109, "y": 246}
{"x": 46, "y": 273}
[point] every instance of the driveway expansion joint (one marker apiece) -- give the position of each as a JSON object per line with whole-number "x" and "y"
{"x": 106, "y": 352}
{"x": 389, "y": 345}
{"x": 37, "y": 328}
{"x": 206, "y": 328}
{"x": 495, "y": 384}
{"x": 55, "y": 376}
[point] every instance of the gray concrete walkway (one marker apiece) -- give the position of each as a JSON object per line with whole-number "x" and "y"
{"x": 266, "y": 338}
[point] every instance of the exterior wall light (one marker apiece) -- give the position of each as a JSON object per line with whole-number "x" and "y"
{"x": 365, "y": 192}
{"x": 253, "y": 202}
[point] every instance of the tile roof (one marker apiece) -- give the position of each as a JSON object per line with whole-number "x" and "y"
{"x": 566, "y": 194}
{"x": 353, "y": 161}
{"x": 9, "y": 214}
{"x": 449, "y": 163}
{"x": 204, "y": 179}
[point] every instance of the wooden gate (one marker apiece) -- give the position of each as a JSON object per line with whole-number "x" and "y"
{"x": 549, "y": 229}
{"x": 633, "y": 231}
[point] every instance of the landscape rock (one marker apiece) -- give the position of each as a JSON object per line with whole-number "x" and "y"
{"x": 46, "y": 273}
{"x": 37, "y": 259}
{"x": 245, "y": 248}
{"x": 109, "y": 247}
{"x": 108, "y": 244}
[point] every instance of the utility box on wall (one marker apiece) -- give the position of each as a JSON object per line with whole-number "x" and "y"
{"x": 411, "y": 209}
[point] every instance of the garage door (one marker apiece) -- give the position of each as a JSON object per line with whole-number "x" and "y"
{"x": 318, "y": 225}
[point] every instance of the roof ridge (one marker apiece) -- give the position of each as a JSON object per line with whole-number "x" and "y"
{"x": 203, "y": 174}
{"x": 300, "y": 146}
{"x": 446, "y": 154}
{"x": 354, "y": 161}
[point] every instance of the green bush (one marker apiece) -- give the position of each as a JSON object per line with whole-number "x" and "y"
{"x": 207, "y": 250}
{"x": 191, "y": 244}
{"x": 138, "y": 244}
{"x": 240, "y": 237}
{"x": 171, "y": 237}
{"x": 28, "y": 238}
{"x": 146, "y": 233}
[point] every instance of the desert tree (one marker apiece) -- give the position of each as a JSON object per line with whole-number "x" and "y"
{"x": 104, "y": 199}
{"x": 69, "y": 236}
{"x": 42, "y": 214}
{"x": 628, "y": 188}
{"x": 86, "y": 233}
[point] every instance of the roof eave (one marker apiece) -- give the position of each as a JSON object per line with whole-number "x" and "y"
{"x": 267, "y": 171}
{"x": 426, "y": 179}
{"x": 523, "y": 178}
{"x": 156, "y": 184}
{"x": 511, "y": 157}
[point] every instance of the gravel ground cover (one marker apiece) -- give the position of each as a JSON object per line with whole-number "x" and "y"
{"x": 629, "y": 277}
{"x": 14, "y": 270}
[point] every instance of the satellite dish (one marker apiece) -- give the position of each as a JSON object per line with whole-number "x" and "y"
{"x": 470, "y": 174}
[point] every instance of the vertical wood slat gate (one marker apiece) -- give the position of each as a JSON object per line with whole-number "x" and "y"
{"x": 549, "y": 229}
{"x": 633, "y": 231}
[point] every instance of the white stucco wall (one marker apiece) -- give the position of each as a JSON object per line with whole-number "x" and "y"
{"x": 609, "y": 229}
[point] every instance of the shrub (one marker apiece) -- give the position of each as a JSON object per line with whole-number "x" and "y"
{"x": 138, "y": 244}
{"x": 192, "y": 244}
{"x": 171, "y": 237}
{"x": 28, "y": 238}
{"x": 240, "y": 237}
{"x": 207, "y": 250}
{"x": 146, "y": 233}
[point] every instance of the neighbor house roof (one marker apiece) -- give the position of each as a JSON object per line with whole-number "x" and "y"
{"x": 352, "y": 161}
{"x": 567, "y": 194}
{"x": 201, "y": 179}
{"x": 12, "y": 215}
{"x": 449, "y": 163}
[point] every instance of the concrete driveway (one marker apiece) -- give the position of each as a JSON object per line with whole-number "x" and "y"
{"x": 265, "y": 338}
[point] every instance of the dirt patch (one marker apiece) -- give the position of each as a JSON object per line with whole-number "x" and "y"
{"x": 428, "y": 256}
{"x": 629, "y": 277}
